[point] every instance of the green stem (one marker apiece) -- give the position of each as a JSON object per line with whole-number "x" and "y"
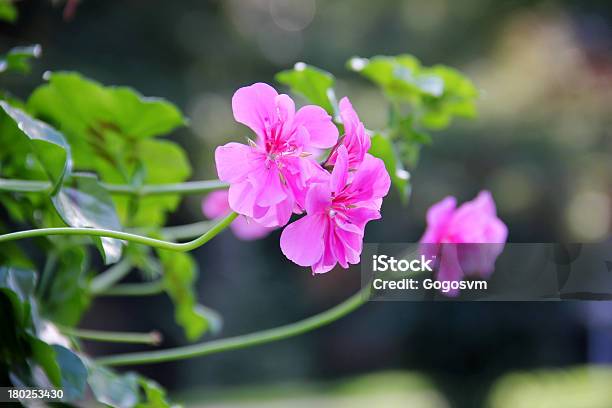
{"x": 134, "y": 289}
{"x": 177, "y": 232}
{"x": 189, "y": 187}
{"x": 154, "y": 338}
{"x": 108, "y": 278}
{"x": 247, "y": 340}
{"x": 138, "y": 239}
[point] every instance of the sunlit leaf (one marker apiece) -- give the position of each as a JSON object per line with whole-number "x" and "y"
{"x": 110, "y": 131}
{"x": 83, "y": 203}
{"x": 49, "y": 145}
{"x": 312, "y": 83}
{"x": 436, "y": 94}
{"x": 18, "y": 58}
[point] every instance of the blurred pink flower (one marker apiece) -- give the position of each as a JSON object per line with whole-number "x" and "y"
{"x": 215, "y": 205}
{"x": 269, "y": 178}
{"x": 356, "y": 139}
{"x": 336, "y": 214}
{"x": 466, "y": 240}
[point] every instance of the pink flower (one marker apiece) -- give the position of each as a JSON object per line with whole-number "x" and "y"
{"x": 337, "y": 211}
{"x": 356, "y": 139}
{"x": 215, "y": 205}
{"x": 269, "y": 178}
{"x": 466, "y": 240}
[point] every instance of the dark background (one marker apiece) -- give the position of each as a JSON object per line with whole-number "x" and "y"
{"x": 542, "y": 145}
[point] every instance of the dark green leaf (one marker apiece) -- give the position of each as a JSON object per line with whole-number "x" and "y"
{"x": 119, "y": 391}
{"x": 83, "y": 203}
{"x": 18, "y": 285}
{"x": 49, "y": 146}
{"x": 74, "y": 373}
{"x": 312, "y": 83}
{"x": 180, "y": 273}
{"x": 18, "y": 58}
{"x": 382, "y": 148}
{"x": 46, "y": 357}
{"x": 66, "y": 297}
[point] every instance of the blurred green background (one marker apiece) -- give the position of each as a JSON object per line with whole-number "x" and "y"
{"x": 541, "y": 144}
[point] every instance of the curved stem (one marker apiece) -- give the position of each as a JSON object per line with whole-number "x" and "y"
{"x": 134, "y": 289}
{"x": 138, "y": 239}
{"x": 154, "y": 338}
{"x": 189, "y": 187}
{"x": 109, "y": 277}
{"x": 247, "y": 340}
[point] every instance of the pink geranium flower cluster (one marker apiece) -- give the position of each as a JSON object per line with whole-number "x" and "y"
{"x": 277, "y": 174}
{"x": 465, "y": 240}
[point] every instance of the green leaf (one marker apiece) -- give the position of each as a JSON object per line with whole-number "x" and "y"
{"x": 110, "y": 130}
{"x": 8, "y": 11}
{"x": 67, "y": 297}
{"x": 49, "y": 146}
{"x": 395, "y": 75}
{"x": 382, "y": 148}
{"x": 312, "y": 83}
{"x": 73, "y": 373}
{"x": 120, "y": 391}
{"x": 46, "y": 357}
{"x": 436, "y": 94}
{"x": 18, "y": 58}
{"x": 83, "y": 203}
{"x": 165, "y": 162}
{"x": 18, "y": 284}
{"x": 180, "y": 273}
{"x": 155, "y": 396}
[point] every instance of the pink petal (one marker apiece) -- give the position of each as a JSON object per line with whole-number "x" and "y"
{"x": 328, "y": 260}
{"x": 247, "y": 229}
{"x": 450, "y": 268}
{"x": 255, "y": 107}
{"x": 285, "y": 108}
{"x": 272, "y": 191}
{"x": 216, "y": 204}
{"x": 360, "y": 216}
{"x": 339, "y": 175}
{"x": 475, "y": 222}
{"x": 242, "y": 198}
{"x": 370, "y": 182}
{"x": 318, "y": 199}
{"x": 439, "y": 216}
{"x": 323, "y": 132}
{"x": 276, "y": 215}
{"x": 302, "y": 241}
{"x": 233, "y": 161}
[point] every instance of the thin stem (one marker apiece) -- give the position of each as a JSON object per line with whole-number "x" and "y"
{"x": 189, "y": 187}
{"x": 247, "y": 340}
{"x": 138, "y": 239}
{"x": 154, "y": 338}
{"x": 108, "y": 278}
{"x": 177, "y": 232}
{"x": 134, "y": 289}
